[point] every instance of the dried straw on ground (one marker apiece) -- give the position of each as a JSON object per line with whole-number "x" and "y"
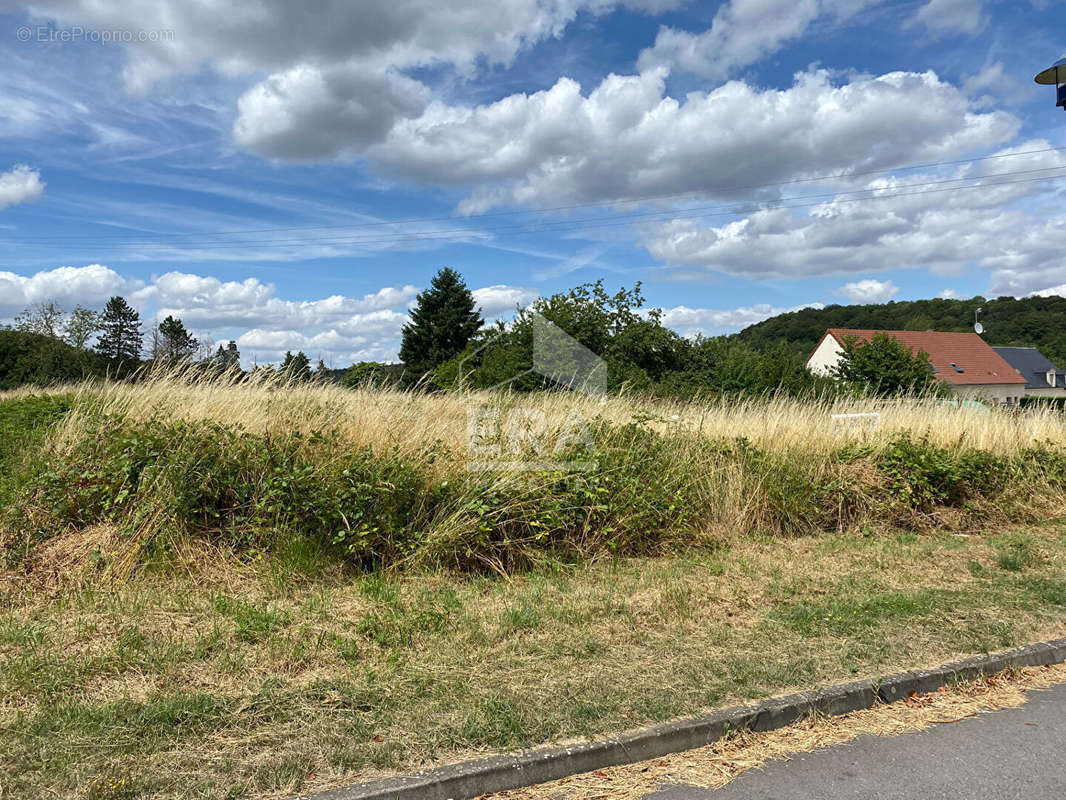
{"x": 716, "y": 765}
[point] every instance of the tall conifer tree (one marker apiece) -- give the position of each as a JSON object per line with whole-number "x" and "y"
{"x": 120, "y": 332}
{"x": 443, "y": 321}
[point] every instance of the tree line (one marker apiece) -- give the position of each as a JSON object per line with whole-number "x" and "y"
{"x": 45, "y": 345}
{"x": 1008, "y": 321}
{"x": 446, "y": 345}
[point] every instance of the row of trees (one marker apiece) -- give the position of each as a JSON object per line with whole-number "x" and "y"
{"x": 46, "y": 345}
{"x": 446, "y": 345}
{"x": 117, "y": 328}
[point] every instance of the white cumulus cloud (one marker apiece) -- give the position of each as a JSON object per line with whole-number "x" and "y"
{"x": 868, "y": 291}
{"x": 628, "y": 139}
{"x": 275, "y": 35}
{"x": 307, "y": 112}
{"x": 501, "y": 299}
{"x": 207, "y": 302}
{"x": 906, "y": 222}
{"x": 90, "y": 286}
{"x": 20, "y": 185}
{"x": 742, "y": 33}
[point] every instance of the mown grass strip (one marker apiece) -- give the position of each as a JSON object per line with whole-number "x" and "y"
{"x": 263, "y": 679}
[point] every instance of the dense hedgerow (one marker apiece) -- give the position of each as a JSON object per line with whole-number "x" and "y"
{"x": 373, "y": 508}
{"x": 650, "y": 490}
{"x": 23, "y": 425}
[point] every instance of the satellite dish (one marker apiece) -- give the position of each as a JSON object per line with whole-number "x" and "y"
{"x": 978, "y": 328}
{"x": 1054, "y": 74}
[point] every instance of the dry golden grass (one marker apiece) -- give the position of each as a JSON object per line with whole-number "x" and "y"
{"x": 386, "y": 418}
{"x": 724, "y": 761}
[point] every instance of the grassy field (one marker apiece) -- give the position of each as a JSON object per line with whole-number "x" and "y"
{"x": 252, "y": 590}
{"x": 214, "y": 677}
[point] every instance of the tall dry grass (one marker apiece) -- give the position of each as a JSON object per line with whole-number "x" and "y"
{"x": 386, "y": 417}
{"x": 667, "y": 472}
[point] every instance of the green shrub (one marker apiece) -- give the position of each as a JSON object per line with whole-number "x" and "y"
{"x": 23, "y": 424}
{"x": 39, "y": 360}
{"x": 372, "y": 508}
{"x": 214, "y": 479}
{"x": 1045, "y": 463}
{"x": 632, "y": 501}
{"x": 923, "y": 475}
{"x": 648, "y": 491}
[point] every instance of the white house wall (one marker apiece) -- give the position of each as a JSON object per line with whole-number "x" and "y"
{"x": 1003, "y": 393}
{"x": 825, "y": 356}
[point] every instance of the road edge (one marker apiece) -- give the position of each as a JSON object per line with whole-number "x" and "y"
{"x": 470, "y": 779}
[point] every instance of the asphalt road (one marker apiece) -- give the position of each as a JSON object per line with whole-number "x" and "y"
{"x": 1018, "y": 753}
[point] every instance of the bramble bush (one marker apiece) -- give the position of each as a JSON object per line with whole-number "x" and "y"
{"x": 208, "y": 478}
{"x": 653, "y": 488}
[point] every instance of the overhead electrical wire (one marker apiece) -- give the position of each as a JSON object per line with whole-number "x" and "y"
{"x": 646, "y": 198}
{"x": 590, "y": 223}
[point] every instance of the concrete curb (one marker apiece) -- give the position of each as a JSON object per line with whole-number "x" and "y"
{"x": 498, "y": 773}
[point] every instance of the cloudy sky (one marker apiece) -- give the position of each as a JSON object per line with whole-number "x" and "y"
{"x": 292, "y": 174}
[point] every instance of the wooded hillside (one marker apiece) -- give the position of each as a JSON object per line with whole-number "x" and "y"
{"x": 1032, "y": 321}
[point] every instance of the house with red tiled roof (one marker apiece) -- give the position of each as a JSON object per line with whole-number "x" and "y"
{"x": 964, "y": 361}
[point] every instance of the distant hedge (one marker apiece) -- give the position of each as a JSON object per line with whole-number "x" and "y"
{"x": 34, "y": 359}
{"x": 1057, "y": 403}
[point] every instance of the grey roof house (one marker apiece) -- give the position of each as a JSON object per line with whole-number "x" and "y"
{"x": 1042, "y": 378}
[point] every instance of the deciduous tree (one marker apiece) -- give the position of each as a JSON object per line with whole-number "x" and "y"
{"x": 45, "y": 319}
{"x": 81, "y": 325}
{"x": 885, "y": 366}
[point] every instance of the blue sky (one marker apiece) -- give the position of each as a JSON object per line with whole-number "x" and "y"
{"x": 290, "y": 175}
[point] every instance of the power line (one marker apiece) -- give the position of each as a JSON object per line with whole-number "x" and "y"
{"x": 615, "y": 222}
{"x": 119, "y": 238}
{"x": 621, "y": 219}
